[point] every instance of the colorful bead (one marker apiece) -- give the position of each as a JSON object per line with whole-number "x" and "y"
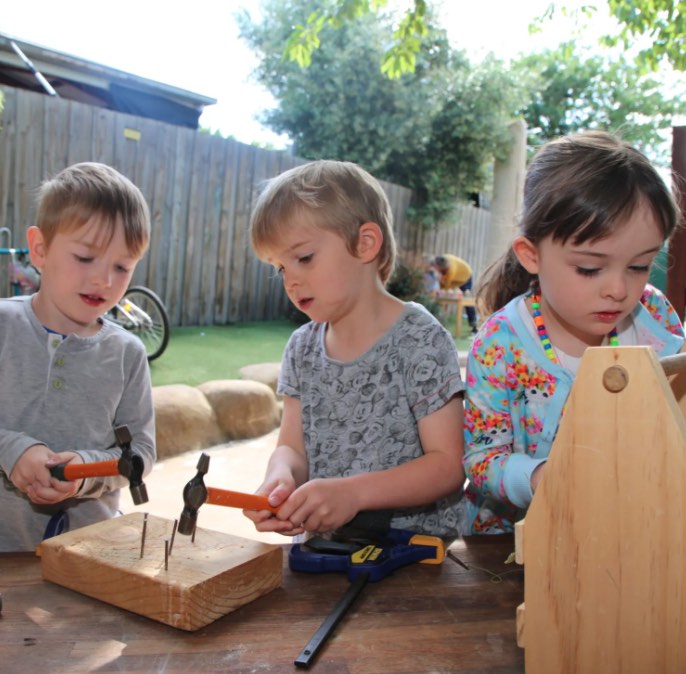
{"x": 543, "y": 335}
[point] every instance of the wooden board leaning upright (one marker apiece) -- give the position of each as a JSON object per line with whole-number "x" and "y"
{"x": 204, "y": 579}
{"x": 604, "y": 541}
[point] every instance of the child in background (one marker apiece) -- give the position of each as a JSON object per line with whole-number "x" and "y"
{"x": 595, "y": 215}
{"x": 432, "y": 284}
{"x": 68, "y": 377}
{"x": 455, "y": 275}
{"x": 372, "y": 411}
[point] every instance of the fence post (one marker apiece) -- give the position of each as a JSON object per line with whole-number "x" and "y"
{"x": 676, "y": 270}
{"x": 508, "y": 187}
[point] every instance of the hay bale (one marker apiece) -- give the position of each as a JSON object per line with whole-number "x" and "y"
{"x": 184, "y": 420}
{"x": 243, "y": 409}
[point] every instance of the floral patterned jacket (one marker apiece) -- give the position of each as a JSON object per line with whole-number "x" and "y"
{"x": 514, "y": 402}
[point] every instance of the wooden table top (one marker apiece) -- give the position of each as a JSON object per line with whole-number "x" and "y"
{"x": 423, "y": 618}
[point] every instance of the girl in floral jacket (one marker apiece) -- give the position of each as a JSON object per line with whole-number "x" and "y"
{"x": 595, "y": 215}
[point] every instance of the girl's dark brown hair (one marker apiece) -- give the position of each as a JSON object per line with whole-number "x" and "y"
{"x": 579, "y": 187}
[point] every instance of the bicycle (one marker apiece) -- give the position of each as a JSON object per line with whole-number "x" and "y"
{"x": 140, "y": 311}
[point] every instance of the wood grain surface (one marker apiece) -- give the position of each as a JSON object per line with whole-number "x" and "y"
{"x": 604, "y": 543}
{"x": 201, "y": 580}
{"x": 443, "y": 619}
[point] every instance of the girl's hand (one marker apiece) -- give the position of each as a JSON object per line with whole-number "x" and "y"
{"x": 536, "y": 476}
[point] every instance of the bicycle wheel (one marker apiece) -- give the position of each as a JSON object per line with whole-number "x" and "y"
{"x": 150, "y": 320}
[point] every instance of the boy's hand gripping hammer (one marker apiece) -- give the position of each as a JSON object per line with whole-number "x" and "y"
{"x": 130, "y": 466}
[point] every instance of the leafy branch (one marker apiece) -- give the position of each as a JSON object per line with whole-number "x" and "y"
{"x": 399, "y": 58}
{"x": 663, "y": 21}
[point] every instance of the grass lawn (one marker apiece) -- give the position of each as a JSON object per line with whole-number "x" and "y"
{"x": 197, "y": 355}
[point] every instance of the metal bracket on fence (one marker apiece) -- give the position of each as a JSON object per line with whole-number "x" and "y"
{"x": 5, "y": 231}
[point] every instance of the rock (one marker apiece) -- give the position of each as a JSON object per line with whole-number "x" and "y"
{"x": 243, "y": 409}
{"x": 184, "y": 420}
{"x": 267, "y": 373}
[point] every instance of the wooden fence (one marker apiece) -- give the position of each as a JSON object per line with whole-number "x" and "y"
{"x": 199, "y": 189}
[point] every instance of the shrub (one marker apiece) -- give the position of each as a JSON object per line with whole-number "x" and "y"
{"x": 407, "y": 284}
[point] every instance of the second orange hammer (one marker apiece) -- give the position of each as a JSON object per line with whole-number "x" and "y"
{"x": 195, "y": 493}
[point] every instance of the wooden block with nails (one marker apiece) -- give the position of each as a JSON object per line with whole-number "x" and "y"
{"x": 205, "y": 579}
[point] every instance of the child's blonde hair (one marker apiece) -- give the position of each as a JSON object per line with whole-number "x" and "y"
{"x": 335, "y": 195}
{"x": 81, "y": 191}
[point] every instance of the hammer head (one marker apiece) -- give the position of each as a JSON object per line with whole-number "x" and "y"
{"x": 131, "y": 466}
{"x": 194, "y": 495}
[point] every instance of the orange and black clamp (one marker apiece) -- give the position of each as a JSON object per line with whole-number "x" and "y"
{"x": 130, "y": 466}
{"x": 195, "y": 493}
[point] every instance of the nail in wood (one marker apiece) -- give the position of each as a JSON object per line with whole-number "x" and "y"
{"x": 166, "y": 554}
{"x": 171, "y": 545}
{"x": 455, "y": 558}
{"x": 145, "y": 528}
{"x": 195, "y": 526}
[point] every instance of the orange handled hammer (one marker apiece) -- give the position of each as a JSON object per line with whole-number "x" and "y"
{"x": 130, "y": 466}
{"x": 195, "y": 493}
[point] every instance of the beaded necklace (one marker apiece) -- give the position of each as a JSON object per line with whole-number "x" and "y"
{"x": 543, "y": 334}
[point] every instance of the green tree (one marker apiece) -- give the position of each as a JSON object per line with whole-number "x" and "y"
{"x": 399, "y": 58}
{"x": 663, "y": 21}
{"x": 571, "y": 91}
{"x": 436, "y": 130}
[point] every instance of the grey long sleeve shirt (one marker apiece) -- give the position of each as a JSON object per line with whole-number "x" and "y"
{"x": 68, "y": 396}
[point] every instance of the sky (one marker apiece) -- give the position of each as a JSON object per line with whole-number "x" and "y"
{"x": 195, "y": 45}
